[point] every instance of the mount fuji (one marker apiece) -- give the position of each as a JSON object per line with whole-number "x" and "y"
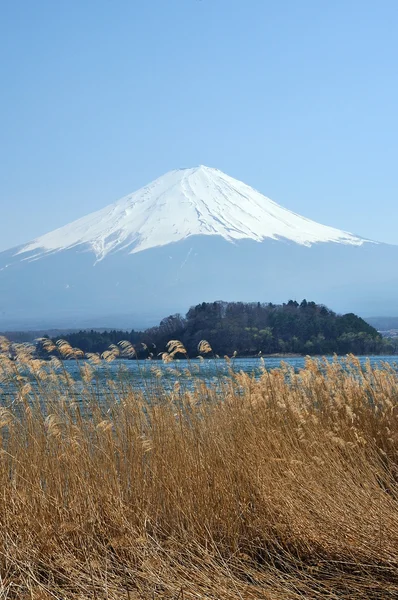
{"x": 189, "y": 236}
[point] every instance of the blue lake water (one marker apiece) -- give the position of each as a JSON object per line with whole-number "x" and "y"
{"x": 209, "y": 369}
{"x": 143, "y": 375}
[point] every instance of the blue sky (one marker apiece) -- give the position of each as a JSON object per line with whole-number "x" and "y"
{"x": 296, "y": 98}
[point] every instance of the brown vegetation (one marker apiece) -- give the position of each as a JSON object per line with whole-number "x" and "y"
{"x": 283, "y": 487}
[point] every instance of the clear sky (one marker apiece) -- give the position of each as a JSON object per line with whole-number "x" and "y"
{"x": 298, "y": 98}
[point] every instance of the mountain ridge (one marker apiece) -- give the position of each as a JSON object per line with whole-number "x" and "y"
{"x": 191, "y": 244}
{"x": 180, "y": 204}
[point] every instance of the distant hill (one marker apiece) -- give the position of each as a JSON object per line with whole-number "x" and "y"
{"x": 383, "y": 323}
{"x": 31, "y": 336}
{"x": 249, "y": 329}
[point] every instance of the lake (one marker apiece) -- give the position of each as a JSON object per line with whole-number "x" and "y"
{"x": 209, "y": 369}
{"x": 143, "y": 375}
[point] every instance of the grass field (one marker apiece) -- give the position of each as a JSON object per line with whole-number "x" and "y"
{"x": 282, "y": 487}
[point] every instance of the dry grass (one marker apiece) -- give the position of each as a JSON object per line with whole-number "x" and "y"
{"x": 281, "y": 488}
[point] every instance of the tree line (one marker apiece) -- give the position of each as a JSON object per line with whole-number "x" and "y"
{"x": 249, "y": 329}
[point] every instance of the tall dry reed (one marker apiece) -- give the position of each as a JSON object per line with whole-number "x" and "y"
{"x": 281, "y": 487}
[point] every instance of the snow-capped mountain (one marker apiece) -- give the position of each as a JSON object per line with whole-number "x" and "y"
{"x": 183, "y": 203}
{"x": 189, "y": 236}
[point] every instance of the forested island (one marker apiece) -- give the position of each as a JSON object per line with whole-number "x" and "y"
{"x": 249, "y": 329}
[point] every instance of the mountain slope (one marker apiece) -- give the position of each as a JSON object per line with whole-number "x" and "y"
{"x": 183, "y": 203}
{"x": 190, "y": 236}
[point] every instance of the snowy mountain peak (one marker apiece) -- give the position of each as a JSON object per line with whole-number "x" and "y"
{"x": 183, "y": 203}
